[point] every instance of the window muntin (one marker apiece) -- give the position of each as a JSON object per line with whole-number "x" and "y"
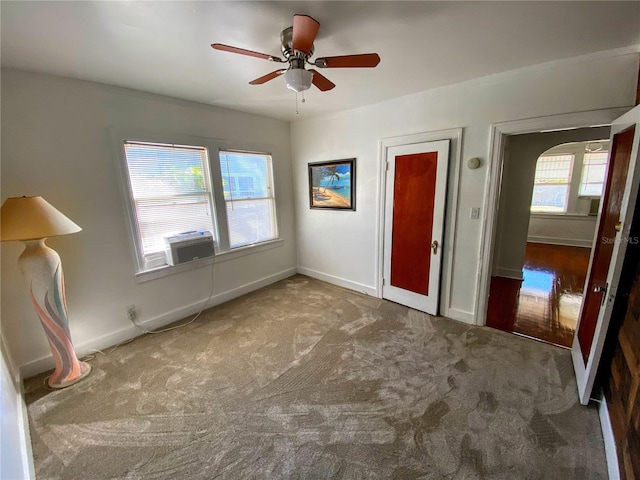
{"x": 594, "y": 169}
{"x": 247, "y": 181}
{"x": 170, "y": 190}
{"x": 551, "y": 184}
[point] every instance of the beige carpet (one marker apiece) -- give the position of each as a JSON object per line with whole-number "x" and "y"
{"x": 306, "y": 380}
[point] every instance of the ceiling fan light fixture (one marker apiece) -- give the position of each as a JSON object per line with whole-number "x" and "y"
{"x": 593, "y": 147}
{"x": 298, "y": 79}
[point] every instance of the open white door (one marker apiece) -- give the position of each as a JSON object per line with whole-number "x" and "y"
{"x": 415, "y": 195}
{"x": 610, "y": 243}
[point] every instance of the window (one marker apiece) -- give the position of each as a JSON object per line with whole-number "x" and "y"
{"x": 551, "y": 184}
{"x": 171, "y": 193}
{"x": 594, "y": 168}
{"x": 248, "y": 195}
{"x": 175, "y": 189}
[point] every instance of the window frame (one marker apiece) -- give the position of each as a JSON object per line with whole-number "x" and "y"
{"x": 270, "y": 187}
{"x": 579, "y": 205}
{"x": 213, "y": 148}
{"x": 149, "y": 262}
{"x": 582, "y": 173}
{"x": 568, "y": 183}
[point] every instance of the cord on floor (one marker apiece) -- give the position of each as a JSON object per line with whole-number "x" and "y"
{"x": 163, "y": 330}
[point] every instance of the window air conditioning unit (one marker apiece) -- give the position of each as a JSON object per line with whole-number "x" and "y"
{"x": 188, "y": 246}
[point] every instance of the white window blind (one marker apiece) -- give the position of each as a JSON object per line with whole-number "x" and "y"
{"x": 247, "y": 180}
{"x": 594, "y": 169}
{"x": 551, "y": 184}
{"x": 171, "y": 193}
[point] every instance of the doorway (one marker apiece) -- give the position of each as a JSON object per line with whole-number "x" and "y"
{"x": 546, "y": 226}
{"x": 620, "y": 120}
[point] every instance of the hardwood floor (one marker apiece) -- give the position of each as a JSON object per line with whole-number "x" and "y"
{"x": 546, "y": 304}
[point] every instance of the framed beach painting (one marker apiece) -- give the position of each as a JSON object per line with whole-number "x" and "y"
{"x": 333, "y": 184}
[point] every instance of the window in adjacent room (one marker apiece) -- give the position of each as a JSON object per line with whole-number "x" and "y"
{"x": 551, "y": 184}
{"x": 594, "y": 169}
{"x": 170, "y": 188}
{"x": 247, "y": 181}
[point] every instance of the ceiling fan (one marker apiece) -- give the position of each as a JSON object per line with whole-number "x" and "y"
{"x": 297, "y": 48}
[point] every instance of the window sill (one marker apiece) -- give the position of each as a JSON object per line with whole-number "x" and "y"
{"x": 166, "y": 270}
{"x": 561, "y": 215}
{"x": 248, "y": 249}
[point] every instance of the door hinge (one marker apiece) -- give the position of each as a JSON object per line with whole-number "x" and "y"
{"x": 383, "y": 282}
{"x": 387, "y": 167}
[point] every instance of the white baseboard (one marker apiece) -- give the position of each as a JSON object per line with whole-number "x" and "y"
{"x": 509, "y": 273}
{"x": 461, "y": 316}
{"x": 568, "y": 242}
{"x": 341, "y": 282}
{"x": 453, "y": 313}
{"x": 45, "y": 363}
{"x": 609, "y": 441}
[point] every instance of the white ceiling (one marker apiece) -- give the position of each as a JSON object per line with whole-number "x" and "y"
{"x": 164, "y": 47}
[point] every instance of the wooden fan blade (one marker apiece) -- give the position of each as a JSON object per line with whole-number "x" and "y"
{"x": 267, "y": 77}
{"x": 320, "y": 81}
{"x": 242, "y": 51}
{"x": 305, "y": 30}
{"x": 365, "y": 60}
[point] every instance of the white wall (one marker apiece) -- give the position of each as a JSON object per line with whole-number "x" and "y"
{"x": 56, "y": 143}
{"x": 572, "y": 230}
{"x": 16, "y": 462}
{"x": 343, "y": 246}
{"x": 518, "y": 174}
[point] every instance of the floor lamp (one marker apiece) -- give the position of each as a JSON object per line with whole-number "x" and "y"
{"x": 31, "y": 220}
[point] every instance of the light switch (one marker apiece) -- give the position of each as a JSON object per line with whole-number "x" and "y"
{"x": 474, "y": 213}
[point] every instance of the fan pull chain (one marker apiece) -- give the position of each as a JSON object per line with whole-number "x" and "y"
{"x": 303, "y": 100}
{"x": 296, "y": 103}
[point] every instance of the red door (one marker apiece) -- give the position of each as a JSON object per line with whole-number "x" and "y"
{"x": 413, "y": 200}
{"x": 614, "y": 223}
{"x": 416, "y": 186}
{"x": 607, "y": 229}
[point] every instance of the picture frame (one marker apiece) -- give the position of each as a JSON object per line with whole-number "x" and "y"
{"x": 332, "y": 185}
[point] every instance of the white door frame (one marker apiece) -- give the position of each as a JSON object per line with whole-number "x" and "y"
{"x": 591, "y": 118}
{"x": 586, "y": 374}
{"x": 454, "y": 135}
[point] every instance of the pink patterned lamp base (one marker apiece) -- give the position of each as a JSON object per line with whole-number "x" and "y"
{"x": 43, "y": 270}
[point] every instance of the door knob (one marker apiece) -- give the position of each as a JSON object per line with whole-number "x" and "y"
{"x": 601, "y": 288}
{"x": 434, "y": 247}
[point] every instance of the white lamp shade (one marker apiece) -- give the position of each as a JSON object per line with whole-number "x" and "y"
{"x": 298, "y": 79}
{"x": 31, "y": 218}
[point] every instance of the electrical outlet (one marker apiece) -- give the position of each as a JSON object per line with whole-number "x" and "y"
{"x": 474, "y": 213}
{"x": 131, "y": 313}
